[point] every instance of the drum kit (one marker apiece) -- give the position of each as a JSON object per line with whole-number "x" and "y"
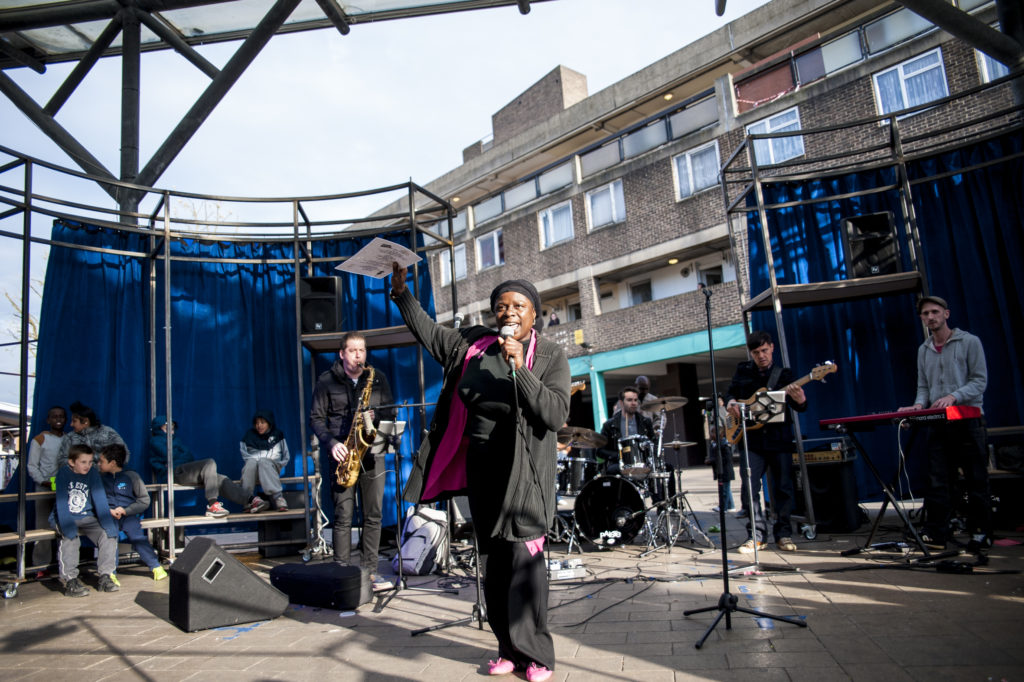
{"x": 612, "y": 509}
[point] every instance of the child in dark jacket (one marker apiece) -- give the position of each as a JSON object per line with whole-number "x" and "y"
{"x": 264, "y": 454}
{"x": 81, "y": 508}
{"x": 128, "y": 497}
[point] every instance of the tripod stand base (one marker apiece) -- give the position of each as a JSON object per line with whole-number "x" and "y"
{"x": 727, "y": 605}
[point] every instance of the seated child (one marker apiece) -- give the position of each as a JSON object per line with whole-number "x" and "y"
{"x": 190, "y": 471}
{"x": 265, "y": 454}
{"x": 81, "y": 509}
{"x": 128, "y": 497}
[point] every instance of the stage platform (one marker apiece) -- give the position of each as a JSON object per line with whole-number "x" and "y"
{"x": 869, "y": 618}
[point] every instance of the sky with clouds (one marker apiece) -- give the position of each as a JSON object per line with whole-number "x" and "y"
{"x": 321, "y": 113}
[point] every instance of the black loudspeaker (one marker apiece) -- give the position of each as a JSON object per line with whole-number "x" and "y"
{"x": 870, "y": 245}
{"x": 210, "y": 589}
{"x": 284, "y": 529}
{"x": 327, "y": 585}
{"x": 321, "y": 304}
{"x": 833, "y": 493}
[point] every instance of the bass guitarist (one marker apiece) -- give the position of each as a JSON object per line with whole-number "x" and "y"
{"x": 770, "y": 447}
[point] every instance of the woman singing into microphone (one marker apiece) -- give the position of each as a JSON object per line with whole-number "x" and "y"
{"x": 493, "y": 439}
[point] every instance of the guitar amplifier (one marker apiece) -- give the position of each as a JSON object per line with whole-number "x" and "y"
{"x": 819, "y": 450}
{"x": 832, "y": 482}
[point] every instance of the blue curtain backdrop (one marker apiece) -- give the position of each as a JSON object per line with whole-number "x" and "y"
{"x": 971, "y": 231}
{"x": 234, "y": 344}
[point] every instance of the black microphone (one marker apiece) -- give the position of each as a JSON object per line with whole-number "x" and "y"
{"x": 506, "y": 333}
{"x": 459, "y": 317}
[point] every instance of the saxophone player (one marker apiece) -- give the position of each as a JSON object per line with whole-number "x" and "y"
{"x": 335, "y": 406}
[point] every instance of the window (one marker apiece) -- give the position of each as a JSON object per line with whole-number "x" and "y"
{"x": 778, "y": 149}
{"x": 555, "y": 224}
{"x": 556, "y": 178}
{"x": 894, "y": 28}
{"x": 606, "y": 205}
{"x": 694, "y": 117}
{"x": 696, "y": 169}
{"x": 573, "y": 311}
{"x": 490, "y": 250}
{"x": 520, "y": 194}
{"x": 990, "y": 68}
{"x": 600, "y": 158}
{"x": 459, "y": 223}
{"x": 915, "y": 81}
{"x": 648, "y": 137}
{"x": 460, "y": 265}
{"x": 487, "y": 209}
{"x": 710, "y": 276}
{"x": 640, "y": 292}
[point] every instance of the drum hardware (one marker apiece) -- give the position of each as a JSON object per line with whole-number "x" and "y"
{"x": 677, "y": 444}
{"x": 675, "y": 519}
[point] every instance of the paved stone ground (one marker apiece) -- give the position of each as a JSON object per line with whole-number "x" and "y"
{"x": 868, "y": 618}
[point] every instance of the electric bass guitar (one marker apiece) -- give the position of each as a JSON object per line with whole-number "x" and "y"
{"x": 770, "y": 408}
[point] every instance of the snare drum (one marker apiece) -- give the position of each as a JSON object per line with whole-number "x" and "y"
{"x": 635, "y": 453}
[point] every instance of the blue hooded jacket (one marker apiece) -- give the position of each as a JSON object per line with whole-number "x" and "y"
{"x": 158, "y": 450}
{"x": 75, "y": 494}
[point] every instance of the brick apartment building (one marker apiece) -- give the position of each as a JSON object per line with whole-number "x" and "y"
{"x": 611, "y": 203}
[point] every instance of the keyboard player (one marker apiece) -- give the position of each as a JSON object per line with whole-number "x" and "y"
{"x": 951, "y": 370}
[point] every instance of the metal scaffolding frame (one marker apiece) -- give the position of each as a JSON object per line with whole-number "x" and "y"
{"x": 883, "y": 144}
{"x": 425, "y": 213}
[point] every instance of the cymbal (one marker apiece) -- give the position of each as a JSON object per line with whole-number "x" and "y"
{"x": 578, "y": 437}
{"x": 667, "y": 403}
{"x": 680, "y": 444}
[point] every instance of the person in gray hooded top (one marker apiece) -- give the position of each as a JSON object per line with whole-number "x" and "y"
{"x": 951, "y": 370}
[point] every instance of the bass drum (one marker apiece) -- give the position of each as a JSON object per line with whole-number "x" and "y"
{"x": 610, "y": 511}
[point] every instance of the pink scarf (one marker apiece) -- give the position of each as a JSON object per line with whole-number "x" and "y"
{"x": 448, "y": 471}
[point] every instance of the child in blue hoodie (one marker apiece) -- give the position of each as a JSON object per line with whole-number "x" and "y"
{"x": 128, "y": 497}
{"x": 200, "y": 473}
{"x": 81, "y": 508}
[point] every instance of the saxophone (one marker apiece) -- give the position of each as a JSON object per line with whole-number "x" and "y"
{"x": 357, "y": 444}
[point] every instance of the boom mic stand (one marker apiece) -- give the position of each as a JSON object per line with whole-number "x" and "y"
{"x": 727, "y": 603}
{"x": 394, "y": 441}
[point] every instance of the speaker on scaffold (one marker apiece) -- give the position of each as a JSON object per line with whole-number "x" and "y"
{"x": 320, "y": 304}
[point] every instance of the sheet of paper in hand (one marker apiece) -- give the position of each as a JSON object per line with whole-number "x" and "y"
{"x": 375, "y": 259}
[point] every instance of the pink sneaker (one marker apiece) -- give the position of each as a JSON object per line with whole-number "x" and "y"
{"x": 502, "y": 666}
{"x": 537, "y": 673}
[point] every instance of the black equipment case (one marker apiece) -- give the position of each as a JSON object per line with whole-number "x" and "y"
{"x": 327, "y": 585}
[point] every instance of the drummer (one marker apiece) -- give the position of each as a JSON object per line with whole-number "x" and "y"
{"x": 643, "y": 387}
{"x": 622, "y": 424}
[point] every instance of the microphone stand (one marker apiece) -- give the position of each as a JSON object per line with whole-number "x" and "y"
{"x": 727, "y": 602}
{"x": 394, "y": 442}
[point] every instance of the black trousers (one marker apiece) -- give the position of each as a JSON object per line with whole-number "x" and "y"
{"x": 371, "y": 489}
{"x": 516, "y": 595}
{"x": 953, "y": 446}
